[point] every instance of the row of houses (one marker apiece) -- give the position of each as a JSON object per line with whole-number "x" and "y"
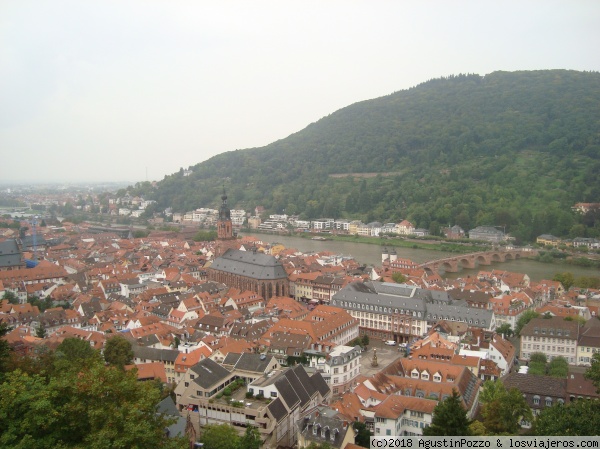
{"x": 578, "y": 242}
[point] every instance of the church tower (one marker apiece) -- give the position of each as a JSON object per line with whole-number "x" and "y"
{"x": 224, "y": 225}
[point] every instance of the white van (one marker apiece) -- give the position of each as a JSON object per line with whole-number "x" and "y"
{"x": 390, "y": 343}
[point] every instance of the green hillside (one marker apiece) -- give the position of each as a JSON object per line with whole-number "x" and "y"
{"x": 514, "y": 149}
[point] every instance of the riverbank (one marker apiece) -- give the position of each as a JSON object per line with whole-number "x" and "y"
{"x": 391, "y": 242}
{"x": 444, "y": 246}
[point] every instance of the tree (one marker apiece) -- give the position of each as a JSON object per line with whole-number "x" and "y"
{"x": 40, "y": 331}
{"x": 578, "y": 418}
{"x": 490, "y": 391}
{"x": 593, "y": 372}
{"x": 538, "y": 357}
{"x": 251, "y": 439}
{"x": 94, "y": 407}
{"x": 365, "y": 340}
{"x": 118, "y": 352}
{"x": 363, "y": 435}
{"x": 449, "y": 418}
{"x": 558, "y": 367}
{"x": 219, "y": 436}
{"x": 505, "y": 329}
{"x": 5, "y": 349}
{"x": 525, "y": 318}
{"x": 399, "y": 278}
{"x": 566, "y": 279}
{"x": 477, "y": 429}
{"x": 72, "y": 352}
{"x": 503, "y": 414}
{"x": 11, "y": 297}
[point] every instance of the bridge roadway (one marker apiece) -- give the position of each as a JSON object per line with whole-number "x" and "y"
{"x": 455, "y": 263}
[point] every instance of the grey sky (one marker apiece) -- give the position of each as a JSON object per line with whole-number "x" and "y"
{"x": 124, "y": 90}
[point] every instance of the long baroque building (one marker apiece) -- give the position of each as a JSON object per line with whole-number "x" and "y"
{"x": 400, "y": 312}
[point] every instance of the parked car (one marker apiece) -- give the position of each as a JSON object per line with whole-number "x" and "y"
{"x": 390, "y": 343}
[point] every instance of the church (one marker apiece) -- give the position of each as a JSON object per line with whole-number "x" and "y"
{"x": 246, "y": 270}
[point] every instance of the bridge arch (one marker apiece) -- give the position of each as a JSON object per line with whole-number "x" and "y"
{"x": 496, "y": 257}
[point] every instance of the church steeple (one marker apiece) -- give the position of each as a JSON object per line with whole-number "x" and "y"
{"x": 224, "y": 212}
{"x": 224, "y": 225}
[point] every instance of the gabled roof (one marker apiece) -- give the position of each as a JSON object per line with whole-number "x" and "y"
{"x": 209, "y": 373}
{"x": 277, "y": 409}
{"x": 249, "y": 264}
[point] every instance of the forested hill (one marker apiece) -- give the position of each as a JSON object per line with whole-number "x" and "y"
{"x": 514, "y": 149}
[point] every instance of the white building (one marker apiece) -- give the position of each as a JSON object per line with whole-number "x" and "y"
{"x": 339, "y": 368}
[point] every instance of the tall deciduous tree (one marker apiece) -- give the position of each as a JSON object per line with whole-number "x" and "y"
{"x": 219, "y": 436}
{"x": 579, "y": 418}
{"x": 4, "y": 349}
{"x": 505, "y": 329}
{"x": 525, "y": 318}
{"x": 72, "y": 352}
{"x": 558, "y": 367}
{"x": 363, "y": 435}
{"x": 118, "y": 352}
{"x": 250, "y": 439}
{"x": 449, "y": 418}
{"x": 593, "y": 372}
{"x": 95, "y": 407}
{"x": 566, "y": 279}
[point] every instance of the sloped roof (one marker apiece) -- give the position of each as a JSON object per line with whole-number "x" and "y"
{"x": 209, "y": 373}
{"x": 277, "y": 409}
{"x": 249, "y": 264}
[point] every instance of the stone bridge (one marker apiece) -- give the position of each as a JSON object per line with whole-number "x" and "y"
{"x": 472, "y": 260}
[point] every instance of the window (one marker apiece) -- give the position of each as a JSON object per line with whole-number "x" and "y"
{"x": 548, "y": 402}
{"x": 273, "y": 394}
{"x": 536, "y": 400}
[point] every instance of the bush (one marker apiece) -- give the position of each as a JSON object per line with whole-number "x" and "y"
{"x": 219, "y": 395}
{"x": 249, "y": 395}
{"x": 260, "y": 396}
{"x": 227, "y": 392}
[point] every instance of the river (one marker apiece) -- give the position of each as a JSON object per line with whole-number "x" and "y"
{"x": 369, "y": 254}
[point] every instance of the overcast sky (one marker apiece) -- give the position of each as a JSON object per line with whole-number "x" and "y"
{"x": 134, "y": 90}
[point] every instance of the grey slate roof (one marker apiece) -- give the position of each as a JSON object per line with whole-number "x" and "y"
{"x": 358, "y": 294}
{"x": 168, "y": 407}
{"x": 329, "y": 429}
{"x": 277, "y": 409}
{"x": 231, "y": 359}
{"x": 388, "y": 298}
{"x": 473, "y": 316}
{"x": 589, "y": 334}
{"x": 154, "y": 354}
{"x": 287, "y": 392}
{"x": 319, "y": 383}
{"x": 10, "y": 255}
{"x": 252, "y": 362}
{"x": 540, "y": 385}
{"x": 249, "y": 264}
{"x": 209, "y": 373}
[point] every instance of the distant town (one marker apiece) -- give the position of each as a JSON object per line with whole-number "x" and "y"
{"x": 308, "y": 348}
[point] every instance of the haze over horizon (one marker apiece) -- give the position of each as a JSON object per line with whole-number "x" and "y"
{"x": 133, "y": 91}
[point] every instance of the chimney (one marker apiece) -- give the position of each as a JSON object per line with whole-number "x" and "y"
{"x": 345, "y": 424}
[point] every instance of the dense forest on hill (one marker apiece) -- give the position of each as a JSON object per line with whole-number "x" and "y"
{"x": 512, "y": 149}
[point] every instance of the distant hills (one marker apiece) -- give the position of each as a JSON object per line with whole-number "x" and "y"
{"x": 513, "y": 149}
